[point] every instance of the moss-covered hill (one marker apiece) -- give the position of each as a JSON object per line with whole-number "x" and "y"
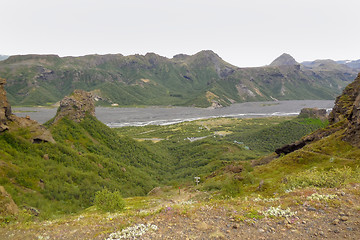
{"x": 203, "y": 79}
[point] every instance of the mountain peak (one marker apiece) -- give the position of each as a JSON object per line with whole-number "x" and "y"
{"x": 284, "y": 60}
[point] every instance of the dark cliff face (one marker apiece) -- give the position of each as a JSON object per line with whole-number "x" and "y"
{"x": 76, "y": 106}
{"x": 347, "y": 103}
{"x": 5, "y": 109}
{"x": 345, "y": 116}
{"x": 347, "y": 109}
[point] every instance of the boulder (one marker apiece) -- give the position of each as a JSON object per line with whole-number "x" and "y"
{"x": 313, "y": 113}
{"x": 7, "y": 204}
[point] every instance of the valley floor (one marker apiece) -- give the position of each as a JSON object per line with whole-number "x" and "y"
{"x": 325, "y": 213}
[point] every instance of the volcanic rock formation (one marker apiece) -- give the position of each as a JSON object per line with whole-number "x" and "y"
{"x": 76, "y": 106}
{"x": 10, "y": 122}
{"x": 5, "y": 109}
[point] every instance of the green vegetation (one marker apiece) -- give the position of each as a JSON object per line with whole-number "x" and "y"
{"x": 199, "y": 80}
{"x": 109, "y": 201}
{"x": 88, "y": 156}
{"x": 335, "y": 177}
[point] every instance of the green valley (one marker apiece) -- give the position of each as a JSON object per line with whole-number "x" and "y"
{"x": 288, "y": 176}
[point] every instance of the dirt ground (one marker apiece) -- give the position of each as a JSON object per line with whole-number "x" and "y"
{"x": 184, "y": 217}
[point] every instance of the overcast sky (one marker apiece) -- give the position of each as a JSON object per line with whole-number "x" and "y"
{"x": 242, "y": 32}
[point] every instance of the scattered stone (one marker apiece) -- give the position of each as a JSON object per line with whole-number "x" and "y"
{"x": 217, "y": 235}
{"x": 203, "y": 226}
{"x": 336, "y": 222}
{"x": 344, "y": 218}
{"x": 311, "y": 209}
{"x": 261, "y": 230}
{"x": 234, "y": 168}
{"x": 235, "y": 226}
{"x": 261, "y": 184}
{"x": 32, "y": 210}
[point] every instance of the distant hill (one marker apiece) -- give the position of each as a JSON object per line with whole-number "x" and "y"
{"x": 355, "y": 64}
{"x": 202, "y": 80}
{"x": 342, "y": 65}
{"x": 3, "y": 57}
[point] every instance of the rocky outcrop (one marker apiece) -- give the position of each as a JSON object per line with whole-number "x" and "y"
{"x": 7, "y": 204}
{"x": 11, "y": 123}
{"x": 5, "y": 109}
{"x": 313, "y": 113}
{"x": 345, "y": 115}
{"x": 346, "y": 103}
{"x": 76, "y": 106}
{"x": 38, "y": 132}
{"x": 347, "y": 109}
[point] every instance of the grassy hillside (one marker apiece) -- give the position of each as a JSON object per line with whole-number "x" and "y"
{"x": 87, "y": 157}
{"x": 202, "y": 80}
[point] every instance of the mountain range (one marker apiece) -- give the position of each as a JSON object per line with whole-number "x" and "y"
{"x": 201, "y": 80}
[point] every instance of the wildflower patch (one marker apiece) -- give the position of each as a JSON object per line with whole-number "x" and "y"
{"x": 132, "y": 231}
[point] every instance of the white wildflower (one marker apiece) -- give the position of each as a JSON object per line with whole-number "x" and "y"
{"x": 316, "y": 196}
{"x": 132, "y": 231}
{"x": 278, "y": 212}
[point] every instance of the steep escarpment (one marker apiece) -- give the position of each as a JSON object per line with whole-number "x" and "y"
{"x": 345, "y": 117}
{"x": 347, "y": 109}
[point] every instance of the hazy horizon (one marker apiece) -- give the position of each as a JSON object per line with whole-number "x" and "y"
{"x": 243, "y": 33}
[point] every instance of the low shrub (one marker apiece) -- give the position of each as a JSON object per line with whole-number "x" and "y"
{"x": 334, "y": 177}
{"x": 109, "y": 201}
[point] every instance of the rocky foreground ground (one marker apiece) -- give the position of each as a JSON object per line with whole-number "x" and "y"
{"x": 298, "y": 214}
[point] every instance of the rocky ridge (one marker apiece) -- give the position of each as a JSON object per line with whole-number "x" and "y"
{"x": 150, "y": 79}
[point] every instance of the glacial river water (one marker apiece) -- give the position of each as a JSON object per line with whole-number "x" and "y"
{"x": 120, "y": 117}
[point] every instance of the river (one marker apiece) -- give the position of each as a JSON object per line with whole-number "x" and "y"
{"x": 120, "y": 117}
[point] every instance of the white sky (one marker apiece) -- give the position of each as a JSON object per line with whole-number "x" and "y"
{"x": 242, "y": 32}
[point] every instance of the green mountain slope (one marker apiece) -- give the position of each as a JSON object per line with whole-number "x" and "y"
{"x": 203, "y": 80}
{"x": 327, "y": 158}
